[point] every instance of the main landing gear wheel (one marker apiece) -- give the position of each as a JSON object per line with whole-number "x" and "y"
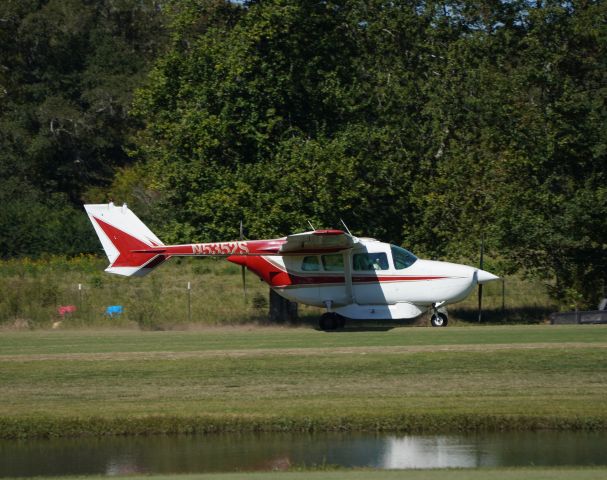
{"x": 439, "y": 320}
{"x": 331, "y": 321}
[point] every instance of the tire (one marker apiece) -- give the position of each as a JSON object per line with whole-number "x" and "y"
{"x": 329, "y": 321}
{"x": 439, "y": 320}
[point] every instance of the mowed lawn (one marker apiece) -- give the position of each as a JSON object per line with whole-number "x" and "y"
{"x": 281, "y": 378}
{"x": 536, "y": 473}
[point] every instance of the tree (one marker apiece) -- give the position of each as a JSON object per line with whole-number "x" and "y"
{"x": 67, "y": 72}
{"x": 239, "y": 112}
{"x": 553, "y": 188}
{"x": 519, "y": 124}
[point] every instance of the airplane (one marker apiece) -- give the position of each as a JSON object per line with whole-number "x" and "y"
{"x": 353, "y": 278}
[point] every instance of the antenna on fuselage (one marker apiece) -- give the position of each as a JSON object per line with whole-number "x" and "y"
{"x": 311, "y": 226}
{"x": 346, "y": 227}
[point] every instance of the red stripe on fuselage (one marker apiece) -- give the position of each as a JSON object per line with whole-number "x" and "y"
{"x": 276, "y": 276}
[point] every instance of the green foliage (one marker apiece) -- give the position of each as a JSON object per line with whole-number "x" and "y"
{"x": 36, "y": 225}
{"x": 422, "y": 123}
{"x": 67, "y": 72}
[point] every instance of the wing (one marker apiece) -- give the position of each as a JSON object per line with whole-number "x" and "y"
{"x": 318, "y": 241}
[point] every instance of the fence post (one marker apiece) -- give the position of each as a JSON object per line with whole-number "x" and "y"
{"x": 189, "y": 303}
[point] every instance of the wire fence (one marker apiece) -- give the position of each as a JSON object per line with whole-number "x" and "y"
{"x": 152, "y": 305}
{"x": 164, "y": 303}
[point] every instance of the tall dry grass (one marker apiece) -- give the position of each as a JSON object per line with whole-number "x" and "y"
{"x": 32, "y": 291}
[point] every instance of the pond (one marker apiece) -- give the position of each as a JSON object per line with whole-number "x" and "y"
{"x": 249, "y": 452}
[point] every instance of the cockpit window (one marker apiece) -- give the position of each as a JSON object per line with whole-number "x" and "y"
{"x": 402, "y": 258}
{"x": 370, "y": 261}
{"x": 310, "y": 264}
{"x": 333, "y": 263}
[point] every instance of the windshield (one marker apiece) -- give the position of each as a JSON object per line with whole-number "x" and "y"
{"x": 402, "y": 258}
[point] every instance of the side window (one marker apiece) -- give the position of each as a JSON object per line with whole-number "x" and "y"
{"x": 310, "y": 264}
{"x": 333, "y": 263}
{"x": 370, "y": 261}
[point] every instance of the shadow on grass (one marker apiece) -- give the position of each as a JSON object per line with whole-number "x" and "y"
{"x": 532, "y": 315}
{"x": 362, "y": 328}
{"x": 312, "y": 321}
{"x": 520, "y": 315}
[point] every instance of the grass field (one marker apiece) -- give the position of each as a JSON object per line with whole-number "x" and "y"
{"x": 458, "y": 474}
{"x": 57, "y": 383}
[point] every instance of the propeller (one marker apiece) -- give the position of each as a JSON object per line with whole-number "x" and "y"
{"x": 480, "y": 285}
{"x": 243, "y": 268}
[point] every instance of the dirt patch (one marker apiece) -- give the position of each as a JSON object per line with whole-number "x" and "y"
{"x": 314, "y": 351}
{"x": 19, "y": 324}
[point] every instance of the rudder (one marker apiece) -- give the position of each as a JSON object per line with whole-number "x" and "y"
{"x": 125, "y": 239}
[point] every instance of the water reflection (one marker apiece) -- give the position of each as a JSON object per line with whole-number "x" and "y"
{"x": 434, "y": 452}
{"x": 216, "y": 453}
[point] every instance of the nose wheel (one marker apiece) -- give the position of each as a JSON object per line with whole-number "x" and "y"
{"x": 438, "y": 319}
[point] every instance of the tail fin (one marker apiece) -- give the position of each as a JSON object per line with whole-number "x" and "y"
{"x": 125, "y": 238}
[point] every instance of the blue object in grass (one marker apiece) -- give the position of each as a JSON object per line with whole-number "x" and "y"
{"x": 114, "y": 310}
